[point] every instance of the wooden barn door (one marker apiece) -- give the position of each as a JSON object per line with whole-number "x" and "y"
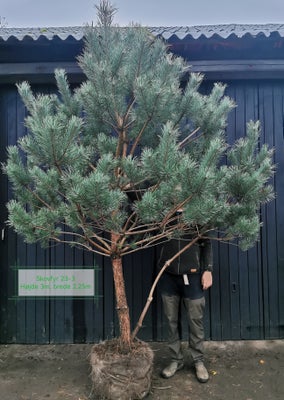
{"x": 247, "y": 299}
{"x": 30, "y": 319}
{"x": 59, "y": 319}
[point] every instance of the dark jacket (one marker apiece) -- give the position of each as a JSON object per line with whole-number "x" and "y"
{"x": 196, "y": 259}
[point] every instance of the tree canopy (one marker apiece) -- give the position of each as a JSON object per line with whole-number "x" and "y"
{"x": 130, "y": 146}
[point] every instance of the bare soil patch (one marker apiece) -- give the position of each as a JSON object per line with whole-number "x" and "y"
{"x": 249, "y": 370}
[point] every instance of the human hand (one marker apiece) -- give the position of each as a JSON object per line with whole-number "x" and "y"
{"x": 206, "y": 280}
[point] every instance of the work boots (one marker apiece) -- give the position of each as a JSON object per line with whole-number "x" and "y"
{"x": 201, "y": 372}
{"x": 172, "y": 368}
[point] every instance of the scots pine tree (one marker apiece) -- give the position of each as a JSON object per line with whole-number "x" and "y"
{"x": 105, "y": 167}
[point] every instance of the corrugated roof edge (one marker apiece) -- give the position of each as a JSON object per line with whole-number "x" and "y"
{"x": 195, "y": 32}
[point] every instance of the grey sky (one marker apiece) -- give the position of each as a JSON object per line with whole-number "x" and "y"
{"x": 41, "y": 13}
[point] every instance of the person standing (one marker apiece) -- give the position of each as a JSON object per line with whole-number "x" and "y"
{"x": 185, "y": 280}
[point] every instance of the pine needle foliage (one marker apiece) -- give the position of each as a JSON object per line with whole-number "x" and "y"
{"x": 128, "y": 148}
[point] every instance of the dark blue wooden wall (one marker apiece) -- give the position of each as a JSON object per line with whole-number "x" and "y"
{"x": 246, "y": 301}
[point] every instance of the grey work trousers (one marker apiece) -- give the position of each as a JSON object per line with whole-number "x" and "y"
{"x": 194, "y": 313}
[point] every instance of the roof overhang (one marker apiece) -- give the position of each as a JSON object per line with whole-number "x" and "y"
{"x": 220, "y": 52}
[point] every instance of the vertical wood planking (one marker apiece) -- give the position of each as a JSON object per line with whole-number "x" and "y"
{"x": 278, "y": 108}
{"x": 213, "y": 310}
{"x": 94, "y": 306}
{"x": 144, "y": 274}
{"x": 246, "y": 301}
{"x": 4, "y": 270}
{"x": 269, "y": 244}
{"x": 10, "y": 274}
{"x": 251, "y": 318}
{"x": 279, "y": 144}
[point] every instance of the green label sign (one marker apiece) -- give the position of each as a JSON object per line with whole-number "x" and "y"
{"x": 56, "y": 282}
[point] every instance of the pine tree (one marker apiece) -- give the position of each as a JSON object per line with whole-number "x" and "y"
{"x": 3, "y": 22}
{"x": 105, "y": 167}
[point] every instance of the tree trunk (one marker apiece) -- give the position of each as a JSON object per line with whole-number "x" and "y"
{"x": 121, "y": 300}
